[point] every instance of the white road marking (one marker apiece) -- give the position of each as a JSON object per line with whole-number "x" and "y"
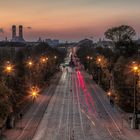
{"x": 108, "y": 113}
{"x": 109, "y": 131}
{"x": 88, "y": 117}
{"x": 68, "y": 112}
{"x": 62, "y": 110}
{"x": 41, "y": 133}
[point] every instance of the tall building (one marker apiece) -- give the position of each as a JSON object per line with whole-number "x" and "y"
{"x": 13, "y": 31}
{"x": 16, "y": 38}
{"x": 20, "y": 31}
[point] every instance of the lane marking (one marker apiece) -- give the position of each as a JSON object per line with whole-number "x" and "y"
{"x": 62, "y": 108}
{"x": 73, "y": 105}
{"x": 109, "y": 131}
{"x": 50, "y": 109}
{"x": 68, "y": 111}
{"x": 108, "y": 112}
{"x": 88, "y": 117}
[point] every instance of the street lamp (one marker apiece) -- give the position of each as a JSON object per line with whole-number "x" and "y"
{"x": 91, "y": 58}
{"x": 55, "y": 57}
{"x": 88, "y": 64}
{"x": 99, "y": 62}
{"x": 34, "y": 92}
{"x": 88, "y": 57}
{"x": 8, "y": 68}
{"x": 135, "y": 116}
{"x": 30, "y": 64}
{"x": 99, "y": 59}
{"x": 135, "y": 68}
{"x": 109, "y": 94}
{"x": 47, "y": 58}
{"x": 43, "y": 60}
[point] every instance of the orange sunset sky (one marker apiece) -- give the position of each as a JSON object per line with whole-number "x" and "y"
{"x": 67, "y": 19}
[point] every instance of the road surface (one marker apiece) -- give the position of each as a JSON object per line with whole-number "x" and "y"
{"x": 76, "y": 112}
{"x": 72, "y": 108}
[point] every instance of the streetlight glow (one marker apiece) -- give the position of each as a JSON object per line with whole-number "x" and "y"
{"x": 30, "y": 63}
{"x": 109, "y": 94}
{"x": 135, "y": 68}
{"x": 8, "y": 68}
{"x": 99, "y": 59}
{"x": 91, "y": 58}
{"x": 43, "y": 60}
{"x": 88, "y": 57}
{"x": 34, "y": 92}
{"x": 47, "y": 58}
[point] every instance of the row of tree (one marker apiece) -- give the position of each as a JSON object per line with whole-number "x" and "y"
{"x": 112, "y": 67}
{"x": 15, "y": 85}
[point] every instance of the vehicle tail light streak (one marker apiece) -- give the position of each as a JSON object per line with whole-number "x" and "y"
{"x": 87, "y": 96}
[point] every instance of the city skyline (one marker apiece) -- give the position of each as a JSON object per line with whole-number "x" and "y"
{"x": 67, "y": 19}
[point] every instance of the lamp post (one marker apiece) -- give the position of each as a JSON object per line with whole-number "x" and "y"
{"x": 43, "y": 60}
{"x": 109, "y": 94}
{"x": 55, "y": 57}
{"x": 135, "y": 115}
{"x": 34, "y": 92}
{"x": 30, "y": 64}
{"x": 99, "y": 60}
{"x": 89, "y": 59}
{"x": 8, "y": 70}
{"x": 43, "y": 65}
{"x": 88, "y": 62}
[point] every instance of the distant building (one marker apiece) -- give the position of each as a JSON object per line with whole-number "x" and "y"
{"x": 18, "y": 38}
{"x": 52, "y": 43}
{"x": 85, "y": 42}
{"x": 105, "y": 44}
{"x": 39, "y": 40}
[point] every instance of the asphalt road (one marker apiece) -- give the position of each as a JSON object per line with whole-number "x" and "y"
{"x": 78, "y": 111}
{"x": 72, "y": 108}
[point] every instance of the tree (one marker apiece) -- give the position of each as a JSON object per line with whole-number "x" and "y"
{"x": 5, "y": 104}
{"x": 120, "y": 33}
{"x": 122, "y": 37}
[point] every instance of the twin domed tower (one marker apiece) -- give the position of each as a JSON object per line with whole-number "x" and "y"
{"x": 18, "y": 38}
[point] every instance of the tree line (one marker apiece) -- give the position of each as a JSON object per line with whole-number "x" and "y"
{"x": 22, "y": 69}
{"x": 112, "y": 68}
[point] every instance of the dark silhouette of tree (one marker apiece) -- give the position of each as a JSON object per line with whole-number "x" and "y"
{"x": 122, "y": 36}
{"x": 121, "y": 33}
